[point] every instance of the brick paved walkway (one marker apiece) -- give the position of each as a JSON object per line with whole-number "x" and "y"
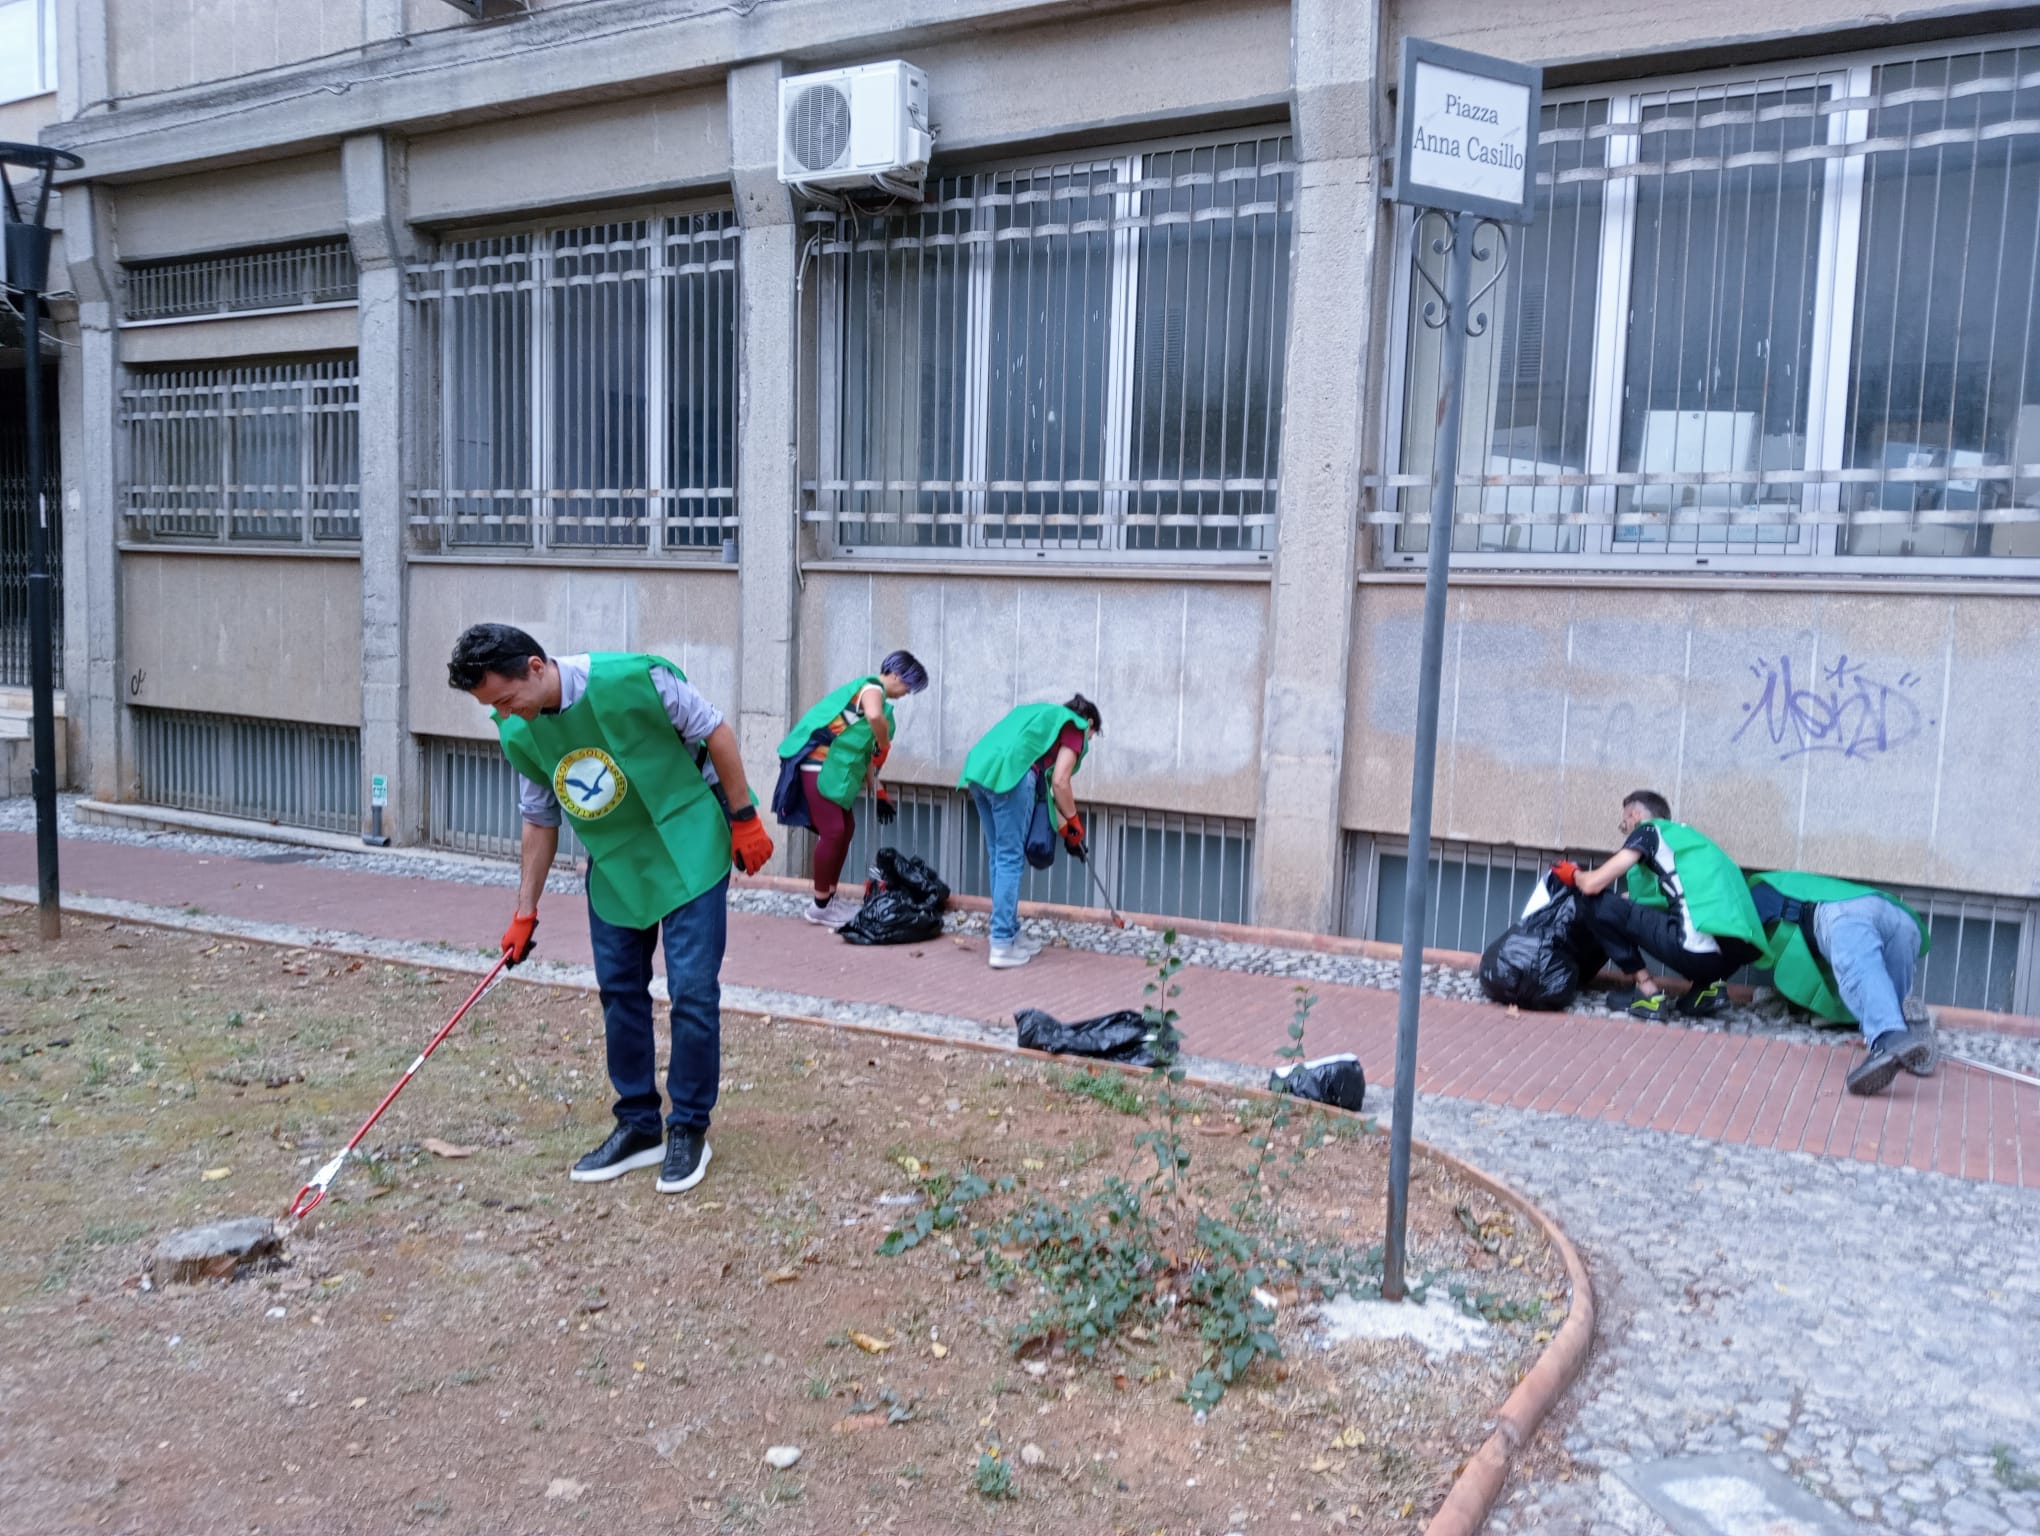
{"x": 1733, "y": 1088}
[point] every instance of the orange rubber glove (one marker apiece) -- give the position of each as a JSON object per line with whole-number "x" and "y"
{"x": 518, "y": 938}
{"x": 1568, "y": 872}
{"x": 750, "y": 843}
{"x": 1073, "y": 838}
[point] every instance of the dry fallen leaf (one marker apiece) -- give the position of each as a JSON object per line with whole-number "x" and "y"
{"x": 939, "y": 1351}
{"x": 212, "y": 1174}
{"x": 1349, "y": 1439}
{"x": 440, "y": 1148}
{"x": 858, "y": 1422}
{"x": 782, "y": 1277}
{"x": 1321, "y": 1465}
{"x": 869, "y": 1345}
{"x": 1034, "y": 1164}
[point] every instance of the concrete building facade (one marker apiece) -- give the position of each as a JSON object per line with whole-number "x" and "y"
{"x": 383, "y": 319}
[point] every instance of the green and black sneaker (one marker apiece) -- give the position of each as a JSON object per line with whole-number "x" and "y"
{"x": 1703, "y": 1002}
{"x": 1656, "y": 1006}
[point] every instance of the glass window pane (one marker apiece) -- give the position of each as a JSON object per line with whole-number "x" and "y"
{"x": 1045, "y": 373}
{"x": 485, "y": 392}
{"x": 1211, "y": 325}
{"x": 1721, "y": 313}
{"x": 20, "y": 57}
{"x": 601, "y": 454}
{"x": 1529, "y": 376}
{"x": 1945, "y": 368}
{"x": 701, "y": 382}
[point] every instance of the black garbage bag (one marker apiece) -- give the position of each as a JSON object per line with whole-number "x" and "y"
{"x": 1544, "y": 957}
{"x": 903, "y": 902}
{"x": 1334, "y": 1080}
{"x": 1121, "y": 1036}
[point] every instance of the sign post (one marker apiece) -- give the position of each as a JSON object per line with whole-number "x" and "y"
{"x": 1466, "y": 149}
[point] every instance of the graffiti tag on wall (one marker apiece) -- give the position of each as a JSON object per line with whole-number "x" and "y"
{"x": 1849, "y": 710}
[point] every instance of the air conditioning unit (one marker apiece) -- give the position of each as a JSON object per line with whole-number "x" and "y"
{"x": 860, "y": 127}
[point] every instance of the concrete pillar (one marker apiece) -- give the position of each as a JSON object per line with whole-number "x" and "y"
{"x": 83, "y": 82}
{"x": 382, "y": 20}
{"x": 768, "y": 536}
{"x": 1335, "y": 53}
{"x": 88, "y": 390}
{"x": 372, "y": 171}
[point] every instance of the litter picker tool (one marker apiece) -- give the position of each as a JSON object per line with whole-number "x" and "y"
{"x": 1099, "y": 886}
{"x": 309, "y": 1197}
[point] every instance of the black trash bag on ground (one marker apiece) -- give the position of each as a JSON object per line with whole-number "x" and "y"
{"x": 1121, "y": 1036}
{"x": 1544, "y": 957}
{"x": 903, "y": 902}
{"x": 1334, "y": 1080}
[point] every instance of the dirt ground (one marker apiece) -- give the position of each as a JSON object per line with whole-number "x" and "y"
{"x": 472, "y": 1343}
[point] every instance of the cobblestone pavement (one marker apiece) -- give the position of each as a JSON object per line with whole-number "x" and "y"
{"x": 1874, "y": 1331}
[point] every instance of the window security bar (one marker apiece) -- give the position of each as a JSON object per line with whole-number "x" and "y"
{"x": 583, "y": 387}
{"x": 267, "y": 453}
{"x": 1082, "y": 357}
{"x": 296, "y": 277}
{"x": 1759, "y": 320}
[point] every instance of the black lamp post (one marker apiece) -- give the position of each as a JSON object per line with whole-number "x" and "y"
{"x": 27, "y": 271}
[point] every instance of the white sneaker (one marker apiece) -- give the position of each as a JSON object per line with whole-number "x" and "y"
{"x": 1010, "y": 957}
{"x": 834, "y": 913}
{"x": 1032, "y": 945}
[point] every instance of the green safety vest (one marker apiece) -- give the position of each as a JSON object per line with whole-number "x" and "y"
{"x": 850, "y": 750}
{"x": 655, "y": 831}
{"x": 1717, "y": 895}
{"x": 1796, "y": 971}
{"x": 1003, "y": 754}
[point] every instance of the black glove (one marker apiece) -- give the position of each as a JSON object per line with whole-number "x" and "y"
{"x": 888, "y": 813}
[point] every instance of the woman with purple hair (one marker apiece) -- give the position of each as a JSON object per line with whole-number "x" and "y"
{"x": 830, "y": 757}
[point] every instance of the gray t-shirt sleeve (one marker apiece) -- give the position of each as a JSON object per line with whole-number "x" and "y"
{"x": 537, "y": 804}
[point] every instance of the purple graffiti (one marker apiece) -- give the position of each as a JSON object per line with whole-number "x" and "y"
{"x": 1851, "y": 713}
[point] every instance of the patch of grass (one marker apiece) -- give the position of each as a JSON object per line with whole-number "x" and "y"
{"x": 818, "y": 1386}
{"x": 1106, "y": 1088}
{"x": 2011, "y": 1474}
{"x": 994, "y": 1477}
{"x": 469, "y": 1376}
{"x": 97, "y": 1071}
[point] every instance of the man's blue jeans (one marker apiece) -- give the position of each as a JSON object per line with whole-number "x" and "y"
{"x": 1872, "y": 947}
{"x": 693, "y": 935}
{"x": 1004, "y": 819}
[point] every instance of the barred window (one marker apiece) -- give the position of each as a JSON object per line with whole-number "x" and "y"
{"x": 584, "y": 394}
{"x": 1755, "y": 323}
{"x": 1082, "y": 358}
{"x": 266, "y": 452}
{"x": 289, "y": 277}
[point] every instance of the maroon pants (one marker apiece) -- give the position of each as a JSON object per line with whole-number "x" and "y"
{"x": 834, "y": 827}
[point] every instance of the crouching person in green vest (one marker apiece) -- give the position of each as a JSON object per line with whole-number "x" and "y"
{"x": 1846, "y": 952}
{"x": 1031, "y": 755}
{"x": 829, "y": 758}
{"x": 648, "y": 771}
{"x": 1683, "y": 900}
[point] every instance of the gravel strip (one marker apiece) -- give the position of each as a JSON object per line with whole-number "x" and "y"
{"x": 1772, "y": 1019}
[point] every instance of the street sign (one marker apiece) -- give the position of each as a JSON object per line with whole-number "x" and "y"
{"x": 378, "y": 790}
{"x": 1467, "y": 137}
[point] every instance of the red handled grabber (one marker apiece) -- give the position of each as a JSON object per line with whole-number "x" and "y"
{"x": 309, "y": 1197}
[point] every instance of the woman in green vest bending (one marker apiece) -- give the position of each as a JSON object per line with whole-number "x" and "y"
{"x": 1686, "y": 903}
{"x": 829, "y": 758}
{"x": 648, "y": 770}
{"x": 1031, "y": 754}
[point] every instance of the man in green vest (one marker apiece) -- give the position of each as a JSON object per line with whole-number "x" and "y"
{"x": 649, "y": 771}
{"x": 1683, "y": 900}
{"x": 1846, "y": 952}
{"x": 829, "y": 758}
{"x": 1030, "y": 756}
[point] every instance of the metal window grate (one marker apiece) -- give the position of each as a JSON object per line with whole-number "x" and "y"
{"x": 1981, "y": 952}
{"x": 585, "y": 388}
{"x": 1151, "y": 861}
{"x": 267, "y": 452}
{"x": 1755, "y": 322}
{"x": 16, "y": 508}
{"x": 266, "y": 770}
{"x": 290, "y": 277}
{"x": 471, "y": 801}
{"x": 1082, "y": 357}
